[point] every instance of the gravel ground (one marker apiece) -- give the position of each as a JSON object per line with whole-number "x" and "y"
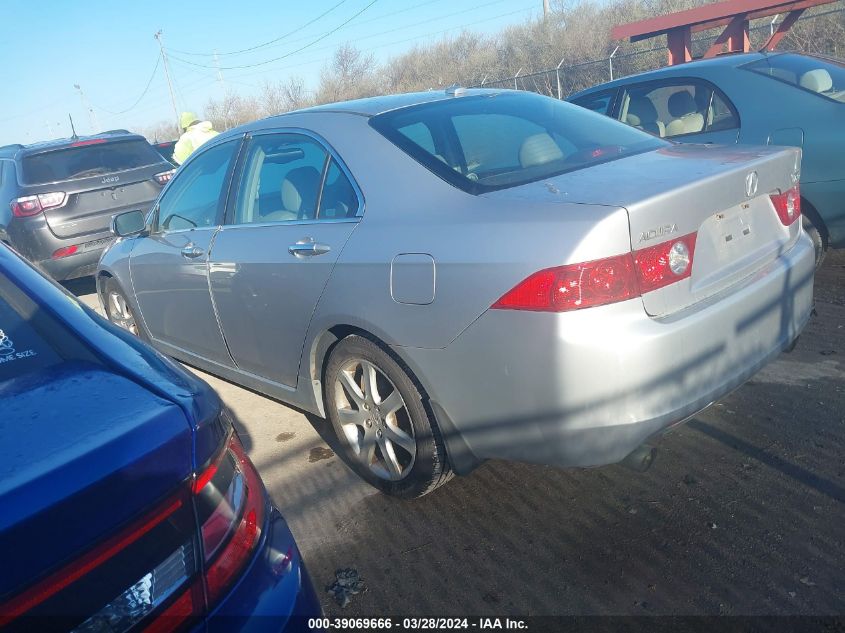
{"x": 743, "y": 511}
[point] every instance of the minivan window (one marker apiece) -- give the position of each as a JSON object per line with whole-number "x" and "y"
{"x": 488, "y": 142}
{"x": 823, "y": 77}
{"x": 88, "y": 160}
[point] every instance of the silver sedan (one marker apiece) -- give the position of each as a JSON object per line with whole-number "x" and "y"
{"x": 455, "y": 276}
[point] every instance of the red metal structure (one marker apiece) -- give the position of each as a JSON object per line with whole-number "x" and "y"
{"x": 734, "y": 15}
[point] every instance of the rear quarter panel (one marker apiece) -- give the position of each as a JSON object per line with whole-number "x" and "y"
{"x": 481, "y": 247}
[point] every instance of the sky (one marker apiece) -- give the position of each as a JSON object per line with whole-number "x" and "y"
{"x": 109, "y": 50}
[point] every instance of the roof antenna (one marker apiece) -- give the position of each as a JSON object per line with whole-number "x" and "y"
{"x": 71, "y": 126}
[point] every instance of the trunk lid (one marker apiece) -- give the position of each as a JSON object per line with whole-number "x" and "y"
{"x": 722, "y": 194}
{"x": 83, "y": 448}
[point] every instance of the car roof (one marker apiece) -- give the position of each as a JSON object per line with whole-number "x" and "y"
{"x": 722, "y": 61}
{"x": 18, "y": 150}
{"x": 372, "y": 106}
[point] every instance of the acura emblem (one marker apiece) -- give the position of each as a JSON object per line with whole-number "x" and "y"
{"x": 751, "y": 184}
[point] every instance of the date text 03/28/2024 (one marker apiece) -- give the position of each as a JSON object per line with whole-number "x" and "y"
{"x": 413, "y": 624}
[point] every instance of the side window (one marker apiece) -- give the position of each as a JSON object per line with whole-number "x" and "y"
{"x": 281, "y": 179}
{"x": 600, "y": 102}
{"x": 194, "y": 198}
{"x": 671, "y": 109}
{"x": 339, "y": 199}
{"x": 720, "y": 116}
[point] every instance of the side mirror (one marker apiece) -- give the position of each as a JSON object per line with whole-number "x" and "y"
{"x": 129, "y": 223}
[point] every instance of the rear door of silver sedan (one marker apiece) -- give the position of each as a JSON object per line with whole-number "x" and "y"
{"x": 294, "y": 208}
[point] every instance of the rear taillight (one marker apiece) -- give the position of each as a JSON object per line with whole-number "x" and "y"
{"x": 64, "y": 251}
{"x": 665, "y": 263}
{"x": 788, "y": 205}
{"x": 603, "y": 281}
{"x": 226, "y": 501}
{"x": 33, "y": 205}
{"x": 574, "y": 287}
{"x": 164, "y": 177}
{"x": 230, "y": 508}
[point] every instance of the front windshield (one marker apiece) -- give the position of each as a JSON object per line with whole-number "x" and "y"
{"x": 820, "y": 76}
{"x": 488, "y": 142}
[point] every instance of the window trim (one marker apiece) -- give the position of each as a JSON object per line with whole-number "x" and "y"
{"x": 674, "y": 80}
{"x": 829, "y": 60}
{"x": 331, "y": 154}
{"x": 222, "y": 202}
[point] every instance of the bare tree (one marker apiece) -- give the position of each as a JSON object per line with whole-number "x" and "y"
{"x": 350, "y": 74}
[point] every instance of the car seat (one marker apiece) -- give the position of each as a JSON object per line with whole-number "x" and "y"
{"x": 538, "y": 150}
{"x": 299, "y": 195}
{"x": 687, "y": 119}
{"x": 643, "y": 115}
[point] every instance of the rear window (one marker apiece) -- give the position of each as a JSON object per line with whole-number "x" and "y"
{"x": 489, "y": 142}
{"x": 88, "y": 160}
{"x": 823, "y": 77}
{"x": 30, "y": 339}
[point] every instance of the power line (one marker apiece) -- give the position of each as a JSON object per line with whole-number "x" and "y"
{"x": 158, "y": 37}
{"x": 368, "y": 21}
{"x": 143, "y": 94}
{"x": 402, "y": 41}
{"x": 263, "y": 44}
{"x": 270, "y": 61}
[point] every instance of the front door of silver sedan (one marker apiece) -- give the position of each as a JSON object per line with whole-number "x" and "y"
{"x": 295, "y": 208}
{"x": 169, "y": 268}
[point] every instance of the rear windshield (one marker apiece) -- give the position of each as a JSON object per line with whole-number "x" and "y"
{"x": 489, "y": 142}
{"x": 823, "y": 77}
{"x": 88, "y": 160}
{"x": 22, "y": 349}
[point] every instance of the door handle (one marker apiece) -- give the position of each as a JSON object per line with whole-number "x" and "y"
{"x": 307, "y": 247}
{"x": 192, "y": 252}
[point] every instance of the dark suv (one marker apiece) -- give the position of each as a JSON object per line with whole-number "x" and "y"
{"x": 57, "y": 198}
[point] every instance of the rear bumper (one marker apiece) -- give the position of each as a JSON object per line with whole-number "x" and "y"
{"x": 33, "y": 239}
{"x": 268, "y": 597}
{"x": 586, "y": 388}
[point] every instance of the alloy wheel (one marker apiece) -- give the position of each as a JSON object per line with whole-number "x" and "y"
{"x": 375, "y": 420}
{"x": 120, "y": 313}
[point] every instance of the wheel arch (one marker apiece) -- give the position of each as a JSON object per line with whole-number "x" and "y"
{"x": 809, "y": 210}
{"x": 461, "y": 459}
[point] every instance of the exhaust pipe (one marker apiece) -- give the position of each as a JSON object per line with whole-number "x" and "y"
{"x": 640, "y": 459}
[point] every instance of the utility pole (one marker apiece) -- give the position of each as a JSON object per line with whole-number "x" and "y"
{"x": 158, "y": 37}
{"x": 219, "y": 72}
{"x": 92, "y": 116}
{"x": 546, "y": 9}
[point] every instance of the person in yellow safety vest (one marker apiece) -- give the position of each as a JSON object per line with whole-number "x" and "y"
{"x": 196, "y": 133}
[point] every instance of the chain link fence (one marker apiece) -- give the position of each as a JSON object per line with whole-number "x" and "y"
{"x": 566, "y": 79}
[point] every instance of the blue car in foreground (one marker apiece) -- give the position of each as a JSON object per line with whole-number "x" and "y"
{"x": 128, "y": 501}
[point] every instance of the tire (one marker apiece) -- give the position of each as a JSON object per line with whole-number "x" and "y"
{"x": 819, "y": 241}
{"x": 391, "y": 442}
{"x": 114, "y": 300}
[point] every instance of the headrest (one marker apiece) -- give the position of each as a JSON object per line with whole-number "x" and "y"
{"x": 643, "y": 109}
{"x": 818, "y": 80}
{"x": 538, "y": 150}
{"x": 681, "y": 104}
